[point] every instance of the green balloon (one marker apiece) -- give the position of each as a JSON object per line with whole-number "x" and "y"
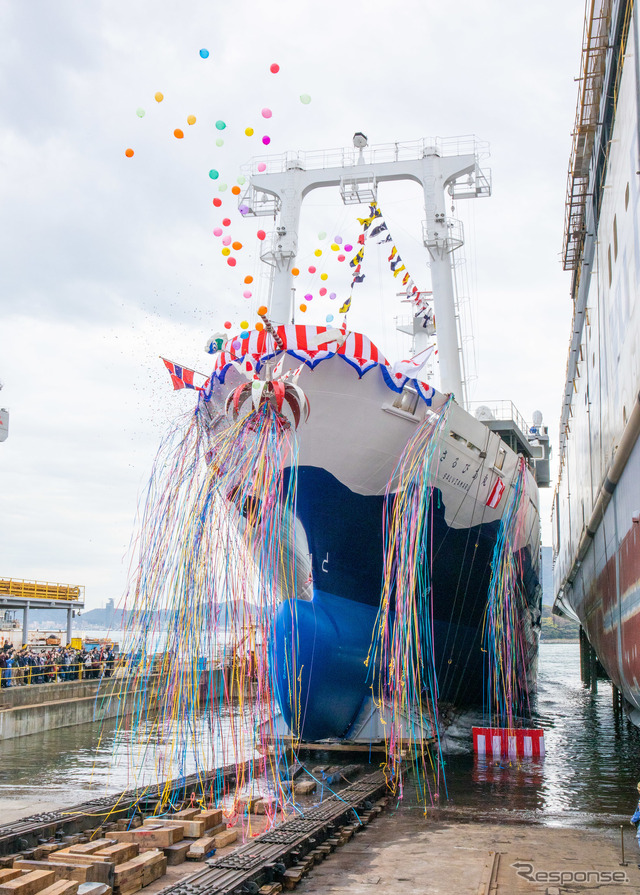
{"x": 219, "y": 142}
{"x": 213, "y": 174}
{"x": 305, "y": 98}
{"x": 242, "y": 180}
{"x": 222, "y": 187}
{"x": 322, "y": 235}
{"x": 220, "y": 125}
{"x": 140, "y": 113}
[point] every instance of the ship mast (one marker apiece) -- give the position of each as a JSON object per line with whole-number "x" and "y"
{"x": 437, "y": 165}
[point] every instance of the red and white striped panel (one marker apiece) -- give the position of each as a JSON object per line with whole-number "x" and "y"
{"x": 504, "y": 742}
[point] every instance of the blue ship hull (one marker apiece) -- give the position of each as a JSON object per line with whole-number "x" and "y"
{"x": 320, "y": 645}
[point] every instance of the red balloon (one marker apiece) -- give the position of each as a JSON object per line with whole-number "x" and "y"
{"x": 312, "y": 269}
{"x": 261, "y": 234}
{"x": 274, "y": 68}
{"x": 217, "y": 202}
{"x": 227, "y": 324}
{"x": 226, "y": 222}
{"x": 231, "y": 261}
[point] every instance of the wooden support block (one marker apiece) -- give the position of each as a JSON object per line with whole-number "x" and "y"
{"x": 67, "y": 857}
{"x": 304, "y": 787}
{"x": 119, "y": 853}
{"x": 28, "y": 884}
{"x": 83, "y": 873}
{"x": 292, "y": 877}
{"x": 193, "y": 829}
{"x": 225, "y": 838}
{"x": 177, "y": 854}
{"x": 201, "y": 848}
{"x": 9, "y": 873}
{"x": 212, "y": 817}
{"x": 156, "y": 837}
{"x": 270, "y": 889}
{"x": 186, "y": 814}
{"x": 88, "y": 848}
{"x": 94, "y": 889}
{"x": 62, "y": 887}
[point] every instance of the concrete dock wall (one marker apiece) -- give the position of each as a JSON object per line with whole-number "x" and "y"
{"x": 34, "y": 709}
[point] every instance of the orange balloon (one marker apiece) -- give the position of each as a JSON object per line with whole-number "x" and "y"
{"x": 191, "y": 119}
{"x": 178, "y": 134}
{"x": 259, "y": 326}
{"x": 128, "y": 153}
{"x": 294, "y": 271}
{"x": 248, "y": 279}
{"x": 303, "y": 308}
{"x": 235, "y": 190}
{"x": 262, "y": 310}
{"x": 236, "y": 245}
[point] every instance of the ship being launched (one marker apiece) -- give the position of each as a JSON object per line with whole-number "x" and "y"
{"x": 369, "y": 434}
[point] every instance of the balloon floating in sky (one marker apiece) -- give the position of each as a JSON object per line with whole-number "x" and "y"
{"x": 191, "y": 119}
{"x": 217, "y": 231}
{"x": 309, "y": 296}
{"x": 236, "y": 246}
{"x": 242, "y": 335}
{"x": 213, "y": 174}
{"x": 226, "y": 222}
{"x": 312, "y": 269}
{"x": 323, "y": 291}
{"x": 262, "y": 166}
{"x": 226, "y": 241}
{"x": 220, "y": 125}
{"x": 305, "y": 99}
{"x": 260, "y": 327}
{"x": 217, "y": 202}
{"x": 204, "y": 54}
{"x": 329, "y": 318}
{"x": 347, "y": 247}
{"x": 267, "y": 113}
{"x": 317, "y": 253}
{"x": 338, "y": 239}
{"x": 341, "y": 257}
{"x": 303, "y": 308}
{"x": 158, "y": 96}
{"x": 322, "y": 235}
{"x": 178, "y": 134}
{"x": 219, "y": 142}
{"x": 227, "y": 324}
{"x": 244, "y": 324}
{"x": 242, "y": 180}
{"x": 274, "y": 68}
{"x": 248, "y": 131}
{"x": 294, "y": 272}
{"x": 247, "y": 293}
{"x": 332, "y": 295}
{"x": 249, "y": 279}
{"x": 140, "y": 113}
{"x": 235, "y": 190}
{"x": 222, "y": 187}
{"x": 266, "y": 140}
{"x": 128, "y": 153}
{"x": 243, "y": 209}
{"x": 261, "y": 234}
{"x": 236, "y": 344}
{"x": 226, "y": 251}
{"x": 324, "y": 276}
{"x": 231, "y": 261}
{"x": 334, "y": 247}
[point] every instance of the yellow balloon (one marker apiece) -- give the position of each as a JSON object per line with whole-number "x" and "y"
{"x": 317, "y": 253}
{"x": 191, "y": 119}
{"x": 226, "y": 251}
{"x": 334, "y": 247}
{"x": 158, "y": 96}
{"x": 244, "y": 325}
{"x": 324, "y": 276}
{"x": 249, "y": 131}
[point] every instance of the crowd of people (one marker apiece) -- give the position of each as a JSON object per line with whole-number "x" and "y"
{"x": 19, "y": 667}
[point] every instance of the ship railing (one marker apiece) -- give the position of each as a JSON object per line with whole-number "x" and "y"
{"x": 503, "y": 410}
{"x": 372, "y": 155}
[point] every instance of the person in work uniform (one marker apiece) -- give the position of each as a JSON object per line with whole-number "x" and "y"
{"x": 636, "y": 818}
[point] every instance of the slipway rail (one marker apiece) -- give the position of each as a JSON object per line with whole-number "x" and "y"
{"x": 283, "y": 854}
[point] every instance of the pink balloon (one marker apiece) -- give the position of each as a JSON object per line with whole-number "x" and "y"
{"x": 217, "y": 231}
{"x": 341, "y": 257}
{"x": 247, "y": 294}
{"x": 348, "y": 247}
{"x": 267, "y": 113}
{"x": 226, "y": 241}
{"x": 266, "y": 140}
{"x": 312, "y": 269}
{"x": 323, "y": 291}
{"x": 262, "y": 166}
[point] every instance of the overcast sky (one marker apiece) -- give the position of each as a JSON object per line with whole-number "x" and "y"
{"x": 109, "y": 262}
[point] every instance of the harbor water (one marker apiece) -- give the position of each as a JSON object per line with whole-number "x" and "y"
{"x": 588, "y": 776}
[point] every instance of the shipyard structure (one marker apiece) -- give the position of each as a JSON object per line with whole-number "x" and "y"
{"x": 596, "y": 509}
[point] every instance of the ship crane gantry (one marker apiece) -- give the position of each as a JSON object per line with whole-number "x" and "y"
{"x": 441, "y": 167}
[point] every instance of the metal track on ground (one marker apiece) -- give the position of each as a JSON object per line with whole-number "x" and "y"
{"x": 26, "y": 832}
{"x": 265, "y": 858}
